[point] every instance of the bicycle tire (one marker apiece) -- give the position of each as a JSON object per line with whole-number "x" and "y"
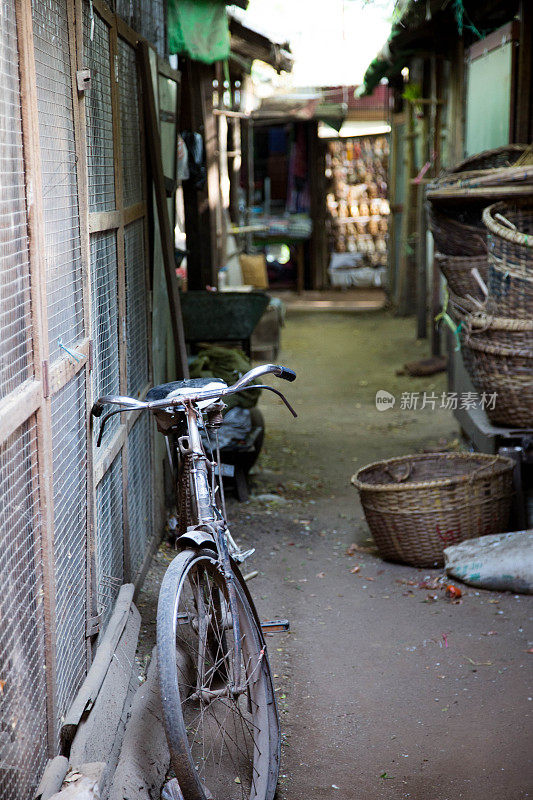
{"x": 196, "y": 720}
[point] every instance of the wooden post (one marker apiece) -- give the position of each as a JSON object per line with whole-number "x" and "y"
{"x": 317, "y": 184}
{"x": 167, "y": 239}
{"x": 421, "y": 264}
{"x": 196, "y": 203}
{"x": 405, "y": 305}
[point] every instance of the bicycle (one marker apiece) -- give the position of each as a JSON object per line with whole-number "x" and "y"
{"x": 219, "y": 706}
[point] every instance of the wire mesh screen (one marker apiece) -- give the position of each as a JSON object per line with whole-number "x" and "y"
{"x": 15, "y": 319}
{"x": 147, "y": 17}
{"x": 70, "y": 538}
{"x": 109, "y": 538}
{"x": 129, "y": 125}
{"x": 58, "y": 164}
{"x": 139, "y": 491}
{"x": 136, "y": 307}
{"x": 23, "y": 736}
{"x": 99, "y": 113}
{"x": 104, "y": 304}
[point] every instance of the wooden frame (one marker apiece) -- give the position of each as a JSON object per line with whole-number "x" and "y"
{"x": 32, "y": 399}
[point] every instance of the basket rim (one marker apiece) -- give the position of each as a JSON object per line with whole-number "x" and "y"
{"x": 502, "y": 464}
{"x": 484, "y": 321}
{"x": 502, "y": 231}
{"x": 517, "y": 147}
{"x": 468, "y": 260}
{"x": 497, "y": 350}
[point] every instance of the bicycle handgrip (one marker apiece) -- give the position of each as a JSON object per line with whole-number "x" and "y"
{"x": 96, "y": 410}
{"x": 287, "y": 374}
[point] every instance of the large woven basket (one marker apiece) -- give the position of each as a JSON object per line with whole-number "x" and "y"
{"x": 458, "y": 230}
{"x": 417, "y": 505}
{"x": 498, "y": 354}
{"x": 458, "y": 273}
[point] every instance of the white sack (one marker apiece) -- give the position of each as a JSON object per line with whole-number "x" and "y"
{"x": 502, "y": 562}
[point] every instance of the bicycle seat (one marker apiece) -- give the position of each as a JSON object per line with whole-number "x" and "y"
{"x": 175, "y": 388}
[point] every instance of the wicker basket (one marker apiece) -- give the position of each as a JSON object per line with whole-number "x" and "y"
{"x": 458, "y": 231}
{"x": 510, "y": 292}
{"x": 489, "y": 168}
{"x": 498, "y": 354}
{"x": 458, "y": 272}
{"x": 505, "y": 156}
{"x": 417, "y": 505}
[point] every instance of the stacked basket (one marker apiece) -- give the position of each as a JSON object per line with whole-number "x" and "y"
{"x": 458, "y": 229}
{"x": 498, "y": 342}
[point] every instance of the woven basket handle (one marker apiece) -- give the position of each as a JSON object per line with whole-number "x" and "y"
{"x": 505, "y": 221}
{"x": 481, "y": 467}
{"x": 479, "y": 280}
{"x": 400, "y": 478}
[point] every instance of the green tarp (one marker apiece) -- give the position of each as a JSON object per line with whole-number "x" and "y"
{"x": 199, "y": 29}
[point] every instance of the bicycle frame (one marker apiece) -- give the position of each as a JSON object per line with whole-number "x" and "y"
{"x": 210, "y": 529}
{"x": 211, "y": 526}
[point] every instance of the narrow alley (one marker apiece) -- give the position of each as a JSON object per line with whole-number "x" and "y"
{"x": 386, "y": 688}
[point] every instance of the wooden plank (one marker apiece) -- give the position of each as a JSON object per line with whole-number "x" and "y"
{"x": 167, "y": 239}
{"x": 64, "y": 369}
{"x": 127, "y": 33}
{"x": 90, "y": 584}
{"x": 104, "y": 220}
{"x": 19, "y": 406}
{"x": 133, "y": 213}
{"x": 104, "y": 456}
{"x": 104, "y": 11}
{"x": 169, "y": 72}
{"x": 32, "y": 166}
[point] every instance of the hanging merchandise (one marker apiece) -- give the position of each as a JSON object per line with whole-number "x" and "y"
{"x": 199, "y": 29}
{"x": 195, "y": 158}
{"x": 183, "y": 160}
{"x": 358, "y": 210}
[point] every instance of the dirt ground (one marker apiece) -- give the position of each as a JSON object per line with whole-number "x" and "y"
{"x": 384, "y": 691}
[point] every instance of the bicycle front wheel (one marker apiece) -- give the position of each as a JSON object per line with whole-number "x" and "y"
{"x": 223, "y": 737}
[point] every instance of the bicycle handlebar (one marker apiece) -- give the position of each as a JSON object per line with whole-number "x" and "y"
{"x": 196, "y": 395}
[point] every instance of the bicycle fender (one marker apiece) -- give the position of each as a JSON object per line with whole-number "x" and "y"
{"x": 197, "y": 537}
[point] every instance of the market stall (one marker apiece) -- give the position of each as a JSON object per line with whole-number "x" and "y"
{"x": 358, "y": 210}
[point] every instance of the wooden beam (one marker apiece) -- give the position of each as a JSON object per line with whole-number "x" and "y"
{"x": 104, "y": 221}
{"x": 18, "y": 407}
{"x": 167, "y": 239}
{"x": 64, "y": 369}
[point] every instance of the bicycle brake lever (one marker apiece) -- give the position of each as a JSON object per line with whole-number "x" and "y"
{"x": 276, "y": 391}
{"x": 104, "y": 420}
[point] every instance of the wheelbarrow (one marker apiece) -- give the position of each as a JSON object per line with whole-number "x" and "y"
{"x": 222, "y": 316}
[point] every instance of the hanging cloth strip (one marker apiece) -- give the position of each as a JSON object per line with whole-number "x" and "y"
{"x": 199, "y": 29}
